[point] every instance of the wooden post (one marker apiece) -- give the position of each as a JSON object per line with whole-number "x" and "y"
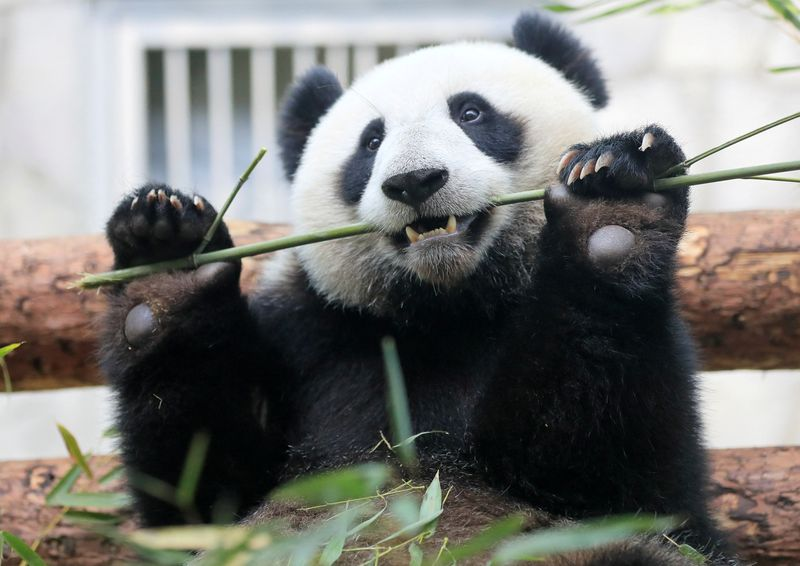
{"x": 739, "y": 280}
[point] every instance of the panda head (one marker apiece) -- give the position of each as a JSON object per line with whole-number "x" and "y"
{"x": 418, "y": 146}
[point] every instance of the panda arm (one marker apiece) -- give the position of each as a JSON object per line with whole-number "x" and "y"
{"x": 593, "y": 409}
{"x": 182, "y": 354}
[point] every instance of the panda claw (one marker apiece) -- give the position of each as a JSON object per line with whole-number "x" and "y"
{"x": 151, "y": 196}
{"x": 588, "y": 169}
{"x": 162, "y": 196}
{"x": 574, "y": 174}
{"x": 198, "y": 203}
{"x": 605, "y": 160}
{"x": 647, "y": 141}
{"x": 134, "y": 203}
{"x": 565, "y": 159}
{"x": 175, "y": 202}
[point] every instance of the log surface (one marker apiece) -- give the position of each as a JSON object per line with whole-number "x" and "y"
{"x": 754, "y": 492}
{"x": 739, "y": 279}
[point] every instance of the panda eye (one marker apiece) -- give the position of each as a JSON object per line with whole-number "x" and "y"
{"x": 374, "y": 143}
{"x": 470, "y": 115}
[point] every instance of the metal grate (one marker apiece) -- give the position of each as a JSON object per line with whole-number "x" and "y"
{"x": 208, "y": 110}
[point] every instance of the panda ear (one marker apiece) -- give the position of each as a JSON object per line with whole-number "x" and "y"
{"x": 307, "y": 101}
{"x": 546, "y": 39}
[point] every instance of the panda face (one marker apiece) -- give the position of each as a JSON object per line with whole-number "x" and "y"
{"x": 417, "y": 148}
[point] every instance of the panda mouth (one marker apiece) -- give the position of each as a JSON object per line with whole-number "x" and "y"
{"x": 441, "y": 228}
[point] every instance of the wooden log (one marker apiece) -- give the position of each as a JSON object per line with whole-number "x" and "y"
{"x": 55, "y": 321}
{"x": 754, "y": 490}
{"x": 739, "y": 278}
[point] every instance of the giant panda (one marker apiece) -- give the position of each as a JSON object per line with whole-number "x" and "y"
{"x": 544, "y": 338}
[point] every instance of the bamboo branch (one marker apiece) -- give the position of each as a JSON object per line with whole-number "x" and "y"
{"x": 683, "y": 165}
{"x": 218, "y": 219}
{"x": 92, "y": 281}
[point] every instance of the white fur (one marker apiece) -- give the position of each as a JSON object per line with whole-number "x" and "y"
{"x": 410, "y": 93}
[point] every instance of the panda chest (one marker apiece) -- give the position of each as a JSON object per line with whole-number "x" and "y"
{"x": 342, "y": 406}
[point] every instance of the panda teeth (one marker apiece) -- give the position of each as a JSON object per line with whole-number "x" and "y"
{"x": 450, "y": 228}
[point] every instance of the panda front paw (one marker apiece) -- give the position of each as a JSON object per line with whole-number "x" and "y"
{"x": 157, "y": 223}
{"x": 606, "y": 215}
{"x": 621, "y": 165}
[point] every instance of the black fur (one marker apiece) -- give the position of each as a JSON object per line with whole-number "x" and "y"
{"x": 308, "y": 100}
{"x": 358, "y": 169}
{"x": 539, "y": 35}
{"x": 496, "y": 134}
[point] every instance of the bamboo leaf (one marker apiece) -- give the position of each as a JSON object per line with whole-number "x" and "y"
{"x": 788, "y": 69}
{"x": 405, "y": 509}
{"x": 399, "y": 414}
{"x": 113, "y": 500}
{"x": 488, "y": 538}
{"x": 691, "y": 553}
{"x": 194, "y": 537}
{"x": 618, "y": 10}
{"x": 6, "y": 350}
{"x": 339, "y": 485}
{"x": 333, "y": 550}
{"x": 415, "y": 552}
{"x": 560, "y": 8}
{"x": 366, "y": 523}
{"x": 413, "y": 437}
{"x": 786, "y": 10}
{"x": 63, "y": 486}
{"x": 582, "y": 536}
{"x": 113, "y": 474}
{"x": 74, "y": 450}
{"x": 192, "y": 470}
{"x": 677, "y": 8}
{"x": 412, "y": 529}
{"x": 431, "y": 505}
{"x": 91, "y": 517}
{"x": 22, "y": 549}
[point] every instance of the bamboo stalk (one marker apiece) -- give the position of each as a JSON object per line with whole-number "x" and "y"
{"x": 92, "y": 281}
{"x": 218, "y": 219}
{"x": 683, "y": 165}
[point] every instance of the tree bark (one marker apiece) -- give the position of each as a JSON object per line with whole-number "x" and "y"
{"x": 739, "y": 279}
{"x": 754, "y": 491}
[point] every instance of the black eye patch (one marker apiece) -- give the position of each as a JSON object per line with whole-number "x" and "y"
{"x": 496, "y": 134}
{"x": 358, "y": 169}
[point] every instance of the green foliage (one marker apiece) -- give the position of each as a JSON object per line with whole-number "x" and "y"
{"x": 399, "y": 414}
{"x": 74, "y": 450}
{"x": 589, "y": 534}
{"x": 786, "y": 11}
{"x": 23, "y": 550}
{"x": 4, "y": 351}
{"x": 339, "y": 486}
{"x": 192, "y": 469}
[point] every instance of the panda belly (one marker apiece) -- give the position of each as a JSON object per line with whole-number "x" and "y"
{"x": 335, "y": 382}
{"x": 340, "y": 411}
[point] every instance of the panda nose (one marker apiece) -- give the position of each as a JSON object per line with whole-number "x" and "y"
{"x": 415, "y": 187}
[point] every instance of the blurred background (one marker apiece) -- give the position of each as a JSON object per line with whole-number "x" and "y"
{"x": 98, "y": 96}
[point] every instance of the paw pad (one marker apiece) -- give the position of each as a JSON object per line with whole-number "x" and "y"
{"x": 609, "y": 245}
{"x": 140, "y": 325}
